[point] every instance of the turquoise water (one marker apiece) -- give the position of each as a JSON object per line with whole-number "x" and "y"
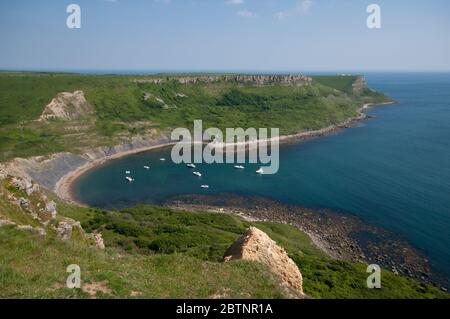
{"x": 392, "y": 170}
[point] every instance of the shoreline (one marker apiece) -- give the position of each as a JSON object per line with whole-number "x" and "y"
{"x": 338, "y": 235}
{"x": 63, "y": 187}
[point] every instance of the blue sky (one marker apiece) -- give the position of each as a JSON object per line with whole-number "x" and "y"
{"x": 265, "y": 35}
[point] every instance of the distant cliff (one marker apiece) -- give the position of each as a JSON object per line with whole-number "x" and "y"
{"x": 257, "y": 79}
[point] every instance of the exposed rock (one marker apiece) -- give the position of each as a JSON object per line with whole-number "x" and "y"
{"x": 5, "y": 222}
{"x": 64, "y": 230}
{"x": 3, "y": 173}
{"x": 41, "y": 231}
{"x": 258, "y": 79}
{"x": 359, "y": 85}
{"x": 98, "y": 240}
{"x": 23, "y": 202}
{"x": 21, "y": 183}
{"x": 50, "y": 207}
{"x": 25, "y": 227}
{"x": 48, "y": 170}
{"x": 256, "y": 245}
{"x": 67, "y": 106}
{"x": 33, "y": 189}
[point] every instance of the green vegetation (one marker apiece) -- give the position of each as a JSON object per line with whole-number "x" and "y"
{"x": 161, "y": 252}
{"x": 341, "y": 83}
{"x": 150, "y": 230}
{"x": 156, "y": 252}
{"x": 35, "y": 267}
{"x": 123, "y": 108}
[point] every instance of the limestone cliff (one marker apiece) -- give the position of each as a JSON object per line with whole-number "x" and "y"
{"x": 258, "y": 79}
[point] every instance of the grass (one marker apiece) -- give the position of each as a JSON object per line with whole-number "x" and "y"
{"x": 32, "y": 267}
{"x": 155, "y": 252}
{"x": 164, "y": 253}
{"x": 152, "y": 230}
{"x": 341, "y": 83}
{"x": 120, "y": 104}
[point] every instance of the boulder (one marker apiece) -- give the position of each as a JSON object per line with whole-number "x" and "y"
{"x": 50, "y": 207}
{"x": 98, "y": 240}
{"x": 64, "y": 230}
{"x": 258, "y": 246}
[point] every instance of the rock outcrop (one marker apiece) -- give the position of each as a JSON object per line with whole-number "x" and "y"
{"x": 258, "y": 79}
{"x": 67, "y": 106}
{"x": 359, "y": 85}
{"x": 29, "y": 209}
{"x": 258, "y": 246}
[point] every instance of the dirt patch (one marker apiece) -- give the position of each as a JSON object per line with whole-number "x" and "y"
{"x": 94, "y": 287}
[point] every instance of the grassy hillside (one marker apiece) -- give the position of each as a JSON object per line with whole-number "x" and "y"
{"x": 123, "y": 108}
{"x": 160, "y": 252}
{"x": 155, "y": 252}
{"x": 34, "y": 267}
{"x": 341, "y": 83}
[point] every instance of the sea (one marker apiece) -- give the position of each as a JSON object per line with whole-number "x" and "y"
{"x": 392, "y": 170}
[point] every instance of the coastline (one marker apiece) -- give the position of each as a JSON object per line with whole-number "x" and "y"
{"x": 63, "y": 187}
{"x": 331, "y": 232}
{"x": 338, "y": 235}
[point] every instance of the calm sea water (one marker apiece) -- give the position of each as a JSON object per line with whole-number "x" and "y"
{"x": 392, "y": 170}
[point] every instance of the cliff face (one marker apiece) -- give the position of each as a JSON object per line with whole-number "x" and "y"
{"x": 259, "y": 79}
{"x": 47, "y": 171}
{"x": 257, "y": 246}
{"x": 67, "y": 106}
{"x": 359, "y": 85}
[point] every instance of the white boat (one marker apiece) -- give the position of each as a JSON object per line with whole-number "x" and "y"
{"x": 204, "y": 186}
{"x": 127, "y": 172}
{"x": 190, "y": 165}
{"x": 197, "y": 174}
{"x": 260, "y": 171}
{"x": 162, "y": 159}
{"x": 239, "y": 166}
{"x": 147, "y": 167}
{"x": 129, "y": 179}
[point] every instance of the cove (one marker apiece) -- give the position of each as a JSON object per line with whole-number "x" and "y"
{"x": 391, "y": 170}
